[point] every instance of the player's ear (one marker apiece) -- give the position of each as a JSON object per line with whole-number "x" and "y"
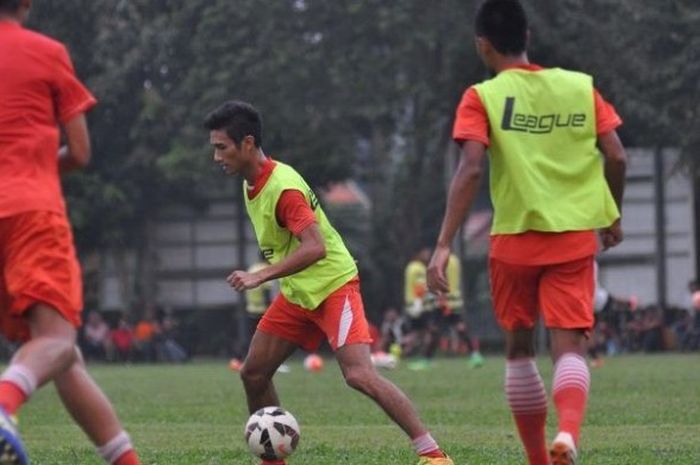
{"x": 248, "y": 142}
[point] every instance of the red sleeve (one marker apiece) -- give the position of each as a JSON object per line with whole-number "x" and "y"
{"x": 70, "y": 95}
{"x": 606, "y": 117}
{"x": 294, "y": 212}
{"x": 471, "y": 120}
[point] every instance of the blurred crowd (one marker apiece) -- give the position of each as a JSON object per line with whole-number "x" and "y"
{"x": 154, "y": 338}
{"x": 622, "y": 326}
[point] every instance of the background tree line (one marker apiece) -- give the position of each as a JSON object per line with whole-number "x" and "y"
{"x": 362, "y": 89}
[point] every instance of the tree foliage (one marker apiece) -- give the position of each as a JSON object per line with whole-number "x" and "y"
{"x": 351, "y": 88}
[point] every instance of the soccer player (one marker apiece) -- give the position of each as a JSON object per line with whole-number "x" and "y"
{"x": 420, "y": 307}
{"x": 551, "y": 190}
{"x": 40, "y": 282}
{"x": 320, "y": 289}
{"x": 452, "y": 307}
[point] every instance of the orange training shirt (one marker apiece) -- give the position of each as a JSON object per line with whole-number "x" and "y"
{"x": 38, "y": 91}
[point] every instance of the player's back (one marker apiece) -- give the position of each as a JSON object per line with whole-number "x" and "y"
{"x": 27, "y": 64}
{"x": 38, "y": 90}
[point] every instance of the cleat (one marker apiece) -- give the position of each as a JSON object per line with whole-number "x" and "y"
{"x": 435, "y": 460}
{"x": 11, "y": 447}
{"x": 476, "y": 360}
{"x": 563, "y": 450}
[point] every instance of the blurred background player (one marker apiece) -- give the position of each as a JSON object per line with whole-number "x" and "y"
{"x": 40, "y": 280}
{"x": 320, "y": 289}
{"x": 256, "y": 302}
{"x": 453, "y": 318}
{"x": 420, "y": 306}
{"x": 550, "y": 193}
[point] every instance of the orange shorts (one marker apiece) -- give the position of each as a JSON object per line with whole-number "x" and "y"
{"x": 38, "y": 264}
{"x": 340, "y": 319}
{"x": 562, "y": 292}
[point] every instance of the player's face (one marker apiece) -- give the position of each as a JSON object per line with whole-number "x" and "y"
{"x": 230, "y": 157}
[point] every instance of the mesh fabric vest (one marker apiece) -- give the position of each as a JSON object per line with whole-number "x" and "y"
{"x": 546, "y": 171}
{"x": 310, "y": 286}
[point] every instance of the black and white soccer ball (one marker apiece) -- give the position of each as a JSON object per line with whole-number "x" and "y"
{"x": 272, "y": 433}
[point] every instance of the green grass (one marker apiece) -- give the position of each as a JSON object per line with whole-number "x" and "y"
{"x": 644, "y": 410}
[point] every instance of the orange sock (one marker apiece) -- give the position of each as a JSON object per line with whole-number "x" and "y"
{"x": 128, "y": 458}
{"x": 570, "y": 392}
{"x": 571, "y": 407}
{"x": 532, "y": 433}
{"x": 11, "y": 397}
{"x": 527, "y": 400}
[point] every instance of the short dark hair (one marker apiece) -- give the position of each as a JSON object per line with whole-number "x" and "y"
{"x": 504, "y": 24}
{"x": 9, "y": 6}
{"x": 238, "y": 119}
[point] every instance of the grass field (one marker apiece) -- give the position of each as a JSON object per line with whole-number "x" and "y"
{"x": 644, "y": 410}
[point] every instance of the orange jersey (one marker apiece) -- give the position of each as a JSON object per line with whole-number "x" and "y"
{"x": 532, "y": 247}
{"x": 38, "y": 91}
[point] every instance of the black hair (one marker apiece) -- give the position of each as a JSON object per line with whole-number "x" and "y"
{"x": 504, "y": 24}
{"x": 238, "y": 119}
{"x": 9, "y": 6}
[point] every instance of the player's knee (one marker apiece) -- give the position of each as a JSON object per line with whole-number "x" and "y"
{"x": 253, "y": 377}
{"x": 359, "y": 379}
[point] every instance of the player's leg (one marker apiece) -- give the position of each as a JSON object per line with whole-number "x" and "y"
{"x": 566, "y": 295}
{"x": 514, "y": 291}
{"x": 266, "y": 353}
{"x": 93, "y": 412}
{"x": 48, "y": 353}
{"x": 360, "y": 374}
{"x": 341, "y": 317}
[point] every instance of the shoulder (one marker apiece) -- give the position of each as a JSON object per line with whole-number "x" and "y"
{"x": 43, "y": 42}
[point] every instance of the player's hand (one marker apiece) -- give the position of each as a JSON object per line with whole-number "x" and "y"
{"x": 242, "y": 280}
{"x": 612, "y": 235}
{"x": 437, "y": 282}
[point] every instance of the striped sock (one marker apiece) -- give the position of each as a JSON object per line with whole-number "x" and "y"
{"x": 426, "y": 446}
{"x": 119, "y": 451}
{"x": 570, "y": 391}
{"x": 528, "y": 403}
{"x": 17, "y": 384}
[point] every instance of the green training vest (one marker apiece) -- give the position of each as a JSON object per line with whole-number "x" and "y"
{"x": 308, "y": 287}
{"x": 546, "y": 171}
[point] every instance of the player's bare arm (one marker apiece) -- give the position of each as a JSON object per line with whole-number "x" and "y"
{"x": 312, "y": 248}
{"x": 615, "y": 167}
{"x": 76, "y": 153}
{"x": 463, "y": 190}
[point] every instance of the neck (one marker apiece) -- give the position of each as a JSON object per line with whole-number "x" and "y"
{"x": 251, "y": 173}
{"x": 508, "y": 61}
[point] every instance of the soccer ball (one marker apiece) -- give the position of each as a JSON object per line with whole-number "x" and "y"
{"x": 272, "y": 433}
{"x": 313, "y": 362}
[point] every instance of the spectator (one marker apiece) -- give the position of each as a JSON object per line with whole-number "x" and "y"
{"x": 145, "y": 334}
{"x": 168, "y": 349}
{"x": 122, "y": 340}
{"x": 96, "y": 341}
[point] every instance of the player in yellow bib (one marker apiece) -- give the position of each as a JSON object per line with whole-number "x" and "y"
{"x": 320, "y": 290}
{"x": 551, "y": 190}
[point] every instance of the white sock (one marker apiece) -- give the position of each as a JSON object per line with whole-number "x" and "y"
{"x": 566, "y": 439}
{"x": 115, "y": 448}
{"x": 22, "y": 377}
{"x": 425, "y": 444}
